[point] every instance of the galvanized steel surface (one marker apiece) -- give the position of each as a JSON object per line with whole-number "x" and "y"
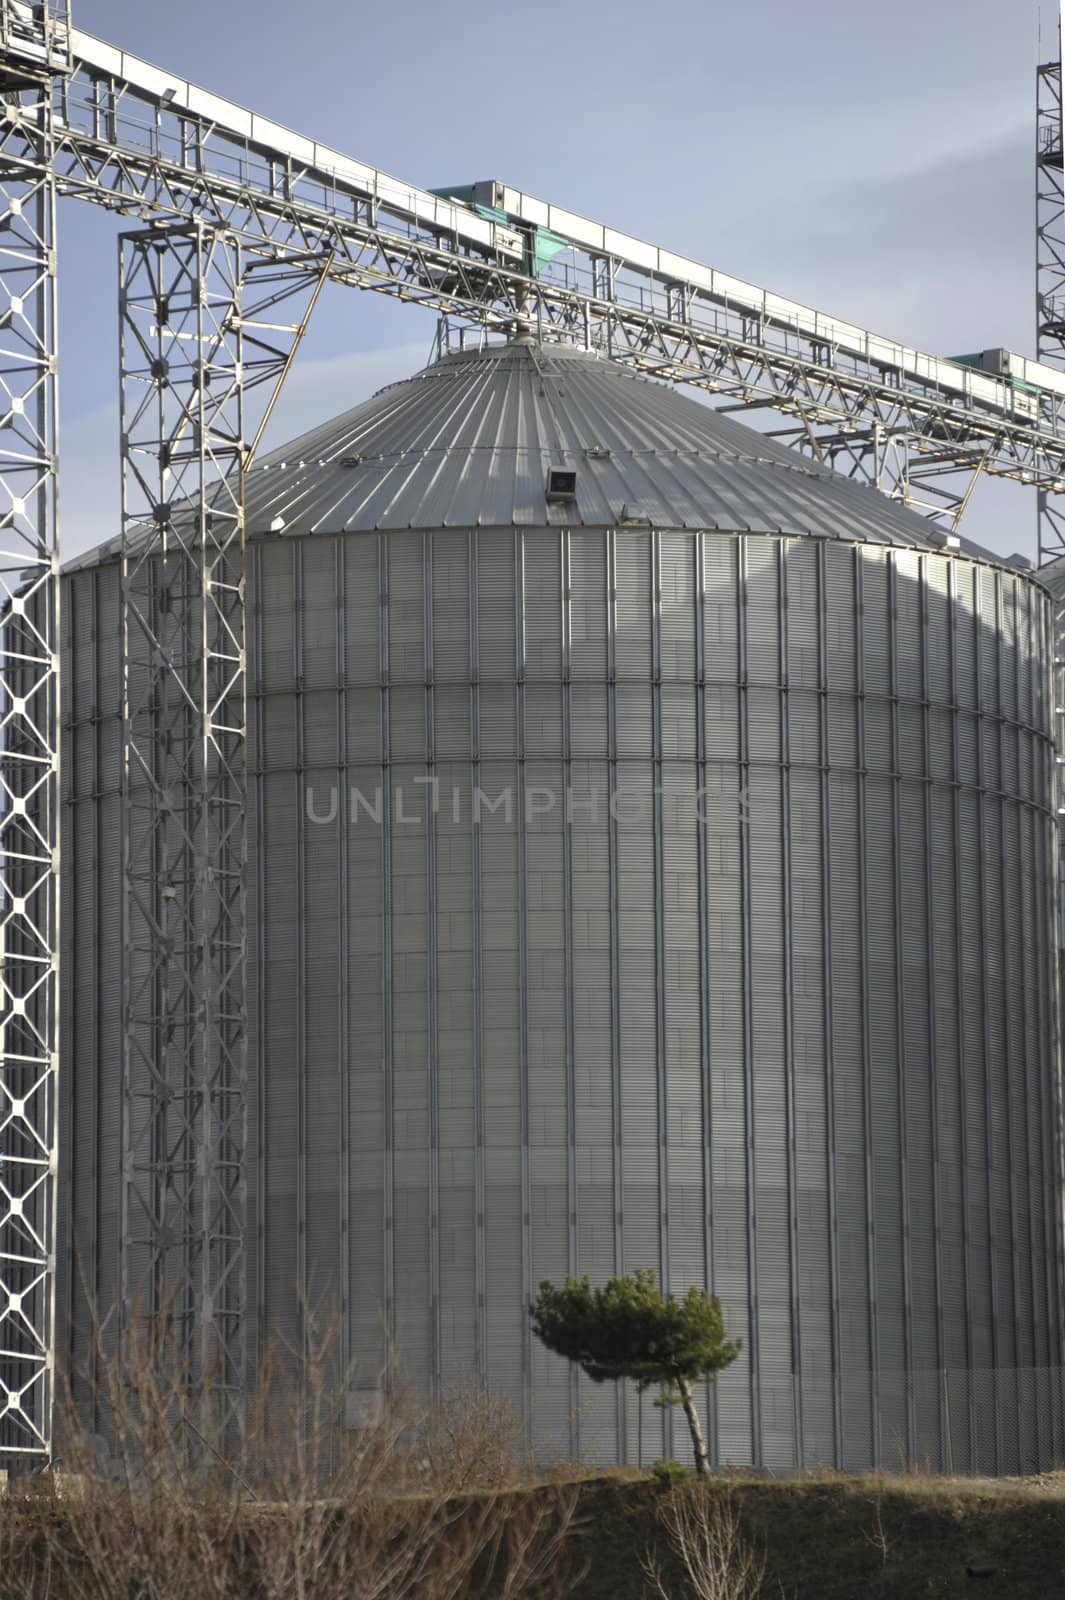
{"x": 469, "y": 441}
{"x": 750, "y": 981}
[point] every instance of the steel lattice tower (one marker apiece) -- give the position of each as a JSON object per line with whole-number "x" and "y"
{"x": 33, "y": 47}
{"x": 1050, "y": 266}
{"x": 199, "y": 328}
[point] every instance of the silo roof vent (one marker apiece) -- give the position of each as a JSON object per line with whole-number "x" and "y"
{"x": 561, "y": 483}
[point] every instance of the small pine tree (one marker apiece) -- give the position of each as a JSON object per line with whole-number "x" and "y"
{"x": 630, "y": 1329}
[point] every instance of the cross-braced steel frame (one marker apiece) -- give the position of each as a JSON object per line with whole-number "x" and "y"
{"x": 936, "y": 483}
{"x": 132, "y": 139}
{"x": 1050, "y": 345}
{"x": 1050, "y": 341}
{"x": 199, "y": 327}
{"x": 1050, "y": 268}
{"x": 33, "y": 44}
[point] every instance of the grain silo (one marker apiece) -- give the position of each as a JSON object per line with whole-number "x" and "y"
{"x": 651, "y": 865}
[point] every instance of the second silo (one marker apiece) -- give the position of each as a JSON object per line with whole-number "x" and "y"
{"x": 651, "y": 866}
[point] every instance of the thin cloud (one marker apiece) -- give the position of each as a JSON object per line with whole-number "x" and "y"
{"x": 938, "y": 254}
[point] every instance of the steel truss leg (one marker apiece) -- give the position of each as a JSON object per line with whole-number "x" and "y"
{"x": 1050, "y": 270}
{"x": 936, "y": 488}
{"x": 1050, "y": 348}
{"x": 1050, "y": 339}
{"x": 1050, "y": 232}
{"x": 29, "y": 737}
{"x": 198, "y": 329}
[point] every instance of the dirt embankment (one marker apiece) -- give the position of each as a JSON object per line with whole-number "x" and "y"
{"x": 837, "y": 1538}
{"x": 822, "y": 1537}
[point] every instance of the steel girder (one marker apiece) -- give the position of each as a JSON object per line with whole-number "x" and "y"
{"x": 32, "y": 49}
{"x": 1050, "y": 268}
{"x": 130, "y": 150}
{"x": 199, "y": 327}
{"x": 1050, "y": 514}
{"x": 937, "y": 483}
{"x": 1050, "y": 339}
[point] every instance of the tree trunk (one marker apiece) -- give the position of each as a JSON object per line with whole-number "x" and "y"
{"x": 702, "y": 1460}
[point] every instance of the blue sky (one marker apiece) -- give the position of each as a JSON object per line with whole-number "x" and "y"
{"x": 874, "y": 161}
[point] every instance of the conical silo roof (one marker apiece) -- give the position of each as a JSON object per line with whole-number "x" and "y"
{"x": 469, "y": 442}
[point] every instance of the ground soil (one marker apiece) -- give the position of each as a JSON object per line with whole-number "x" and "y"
{"x": 824, "y": 1536}
{"x": 830, "y": 1537}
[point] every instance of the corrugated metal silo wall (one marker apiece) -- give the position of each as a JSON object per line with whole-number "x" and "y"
{"x": 750, "y": 980}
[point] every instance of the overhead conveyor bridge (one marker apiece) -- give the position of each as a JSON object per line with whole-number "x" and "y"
{"x": 134, "y": 137}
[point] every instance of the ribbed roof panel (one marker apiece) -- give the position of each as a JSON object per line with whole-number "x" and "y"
{"x": 469, "y": 442}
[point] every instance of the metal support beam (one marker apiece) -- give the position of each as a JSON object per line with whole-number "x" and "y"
{"x": 199, "y": 328}
{"x": 1050, "y": 511}
{"x": 937, "y": 485}
{"x": 1050, "y": 266}
{"x": 1050, "y": 342}
{"x": 132, "y": 140}
{"x": 32, "y": 50}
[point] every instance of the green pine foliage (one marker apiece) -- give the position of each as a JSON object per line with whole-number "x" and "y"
{"x": 629, "y": 1329}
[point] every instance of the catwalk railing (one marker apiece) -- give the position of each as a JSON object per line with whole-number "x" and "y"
{"x": 141, "y": 140}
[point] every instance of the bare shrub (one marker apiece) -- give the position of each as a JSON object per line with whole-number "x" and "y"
{"x": 25, "y": 1552}
{"x": 291, "y": 1505}
{"x": 158, "y": 1517}
{"x": 877, "y": 1537}
{"x": 472, "y": 1439}
{"x": 407, "y": 1547}
{"x": 705, "y": 1536}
